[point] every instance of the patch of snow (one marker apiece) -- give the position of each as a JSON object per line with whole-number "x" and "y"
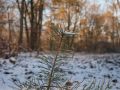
{"x": 87, "y": 67}
{"x": 69, "y": 33}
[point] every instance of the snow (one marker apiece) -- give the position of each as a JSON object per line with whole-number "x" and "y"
{"x": 87, "y": 67}
{"x": 69, "y": 33}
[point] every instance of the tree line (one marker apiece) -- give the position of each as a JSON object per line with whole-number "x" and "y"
{"x": 39, "y": 24}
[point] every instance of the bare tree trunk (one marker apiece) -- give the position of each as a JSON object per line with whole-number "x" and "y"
{"x": 9, "y": 33}
{"x": 40, "y": 23}
{"x": 21, "y": 9}
{"x": 32, "y": 35}
{"x": 26, "y": 25}
{"x": 27, "y": 32}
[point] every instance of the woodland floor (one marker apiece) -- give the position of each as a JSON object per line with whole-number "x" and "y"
{"x": 87, "y": 67}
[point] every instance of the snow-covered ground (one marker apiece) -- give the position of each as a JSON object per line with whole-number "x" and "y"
{"x": 82, "y": 67}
